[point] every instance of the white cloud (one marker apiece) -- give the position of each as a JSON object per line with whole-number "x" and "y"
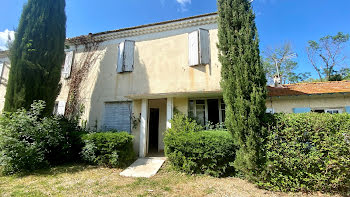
{"x": 183, "y": 4}
{"x": 4, "y": 37}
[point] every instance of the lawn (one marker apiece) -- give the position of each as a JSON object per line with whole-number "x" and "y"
{"x": 85, "y": 180}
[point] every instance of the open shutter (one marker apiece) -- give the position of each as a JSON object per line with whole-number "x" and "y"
{"x": 118, "y": 116}
{"x": 204, "y": 46}
{"x": 61, "y": 107}
{"x": 193, "y": 48}
{"x": 120, "y": 64}
{"x": 1, "y": 69}
{"x": 129, "y": 55}
{"x": 347, "y": 109}
{"x": 68, "y": 64}
{"x": 301, "y": 110}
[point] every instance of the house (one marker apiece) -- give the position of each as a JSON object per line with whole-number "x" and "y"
{"x": 4, "y": 72}
{"x": 133, "y": 79}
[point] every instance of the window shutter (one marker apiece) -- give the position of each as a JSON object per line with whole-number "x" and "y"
{"x": 120, "y": 64}
{"x": 117, "y": 116}
{"x": 1, "y": 69}
{"x": 301, "y": 110}
{"x": 193, "y": 48}
{"x": 347, "y": 109}
{"x": 61, "y": 107}
{"x": 129, "y": 55}
{"x": 204, "y": 46}
{"x": 68, "y": 64}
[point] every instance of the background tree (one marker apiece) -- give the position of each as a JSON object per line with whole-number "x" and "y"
{"x": 279, "y": 61}
{"x": 327, "y": 53}
{"x": 37, "y": 55}
{"x": 243, "y": 82}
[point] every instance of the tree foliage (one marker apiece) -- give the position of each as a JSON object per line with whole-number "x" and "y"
{"x": 37, "y": 55}
{"x": 281, "y": 57}
{"x": 327, "y": 53}
{"x": 243, "y": 82}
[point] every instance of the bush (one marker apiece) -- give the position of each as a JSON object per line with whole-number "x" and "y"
{"x": 29, "y": 142}
{"x": 113, "y": 149}
{"x": 308, "y": 152}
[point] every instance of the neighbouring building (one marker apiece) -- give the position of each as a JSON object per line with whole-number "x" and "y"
{"x": 133, "y": 80}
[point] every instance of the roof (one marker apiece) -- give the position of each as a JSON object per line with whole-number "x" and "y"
{"x": 101, "y": 35}
{"x": 328, "y": 87}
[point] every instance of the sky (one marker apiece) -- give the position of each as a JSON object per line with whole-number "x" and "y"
{"x": 278, "y": 21}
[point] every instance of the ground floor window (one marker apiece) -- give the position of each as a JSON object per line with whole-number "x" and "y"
{"x": 207, "y": 110}
{"x": 117, "y": 115}
{"x": 331, "y": 111}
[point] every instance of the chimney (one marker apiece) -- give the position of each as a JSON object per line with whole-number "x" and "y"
{"x": 277, "y": 80}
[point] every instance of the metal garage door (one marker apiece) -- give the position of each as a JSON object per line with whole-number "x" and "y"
{"x": 118, "y": 116}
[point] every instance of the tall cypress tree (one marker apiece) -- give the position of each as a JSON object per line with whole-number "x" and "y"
{"x": 37, "y": 55}
{"x": 243, "y": 82}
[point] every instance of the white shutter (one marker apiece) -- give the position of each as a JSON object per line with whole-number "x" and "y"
{"x": 120, "y": 64}
{"x": 117, "y": 116}
{"x": 68, "y": 64}
{"x": 61, "y": 107}
{"x": 204, "y": 46}
{"x": 129, "y": 55}
{"x": 193, "y": 48}
{"x": 1, "y": 69}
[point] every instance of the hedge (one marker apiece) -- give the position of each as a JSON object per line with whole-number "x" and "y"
{"x": 308, "y": 152}
{"x": 205, "y": 152}
{"x": 113, "y": 149}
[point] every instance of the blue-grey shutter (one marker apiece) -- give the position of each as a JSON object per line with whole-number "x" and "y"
{"x": 68, "y": 64}
{"x": 347, "y": 109}
{"x": 204, "y": 48}
{"x": 301, "y": 110}
{"x": 193, "y": 48}
{"x": 129, "y": 55}
{"x": 61, "y": 107}
{"x": 120, "y": 64}
{"x": 118, "y": 116}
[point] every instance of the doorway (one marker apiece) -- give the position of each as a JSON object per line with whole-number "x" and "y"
{"x": 153, "y": 130}
{"x": 213, "y": 111}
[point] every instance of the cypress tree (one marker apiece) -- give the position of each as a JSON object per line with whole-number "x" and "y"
{"x": 243, "y": 82}
{"x": 37, "y": 55}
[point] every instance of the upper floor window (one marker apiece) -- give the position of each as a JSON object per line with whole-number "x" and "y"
{"x": 126, "y": 56}
{"x": 198, "y": 47}
{"x": 67, "y": 68}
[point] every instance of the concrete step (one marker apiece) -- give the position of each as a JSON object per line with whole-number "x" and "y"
{"x": 144, "y": 167}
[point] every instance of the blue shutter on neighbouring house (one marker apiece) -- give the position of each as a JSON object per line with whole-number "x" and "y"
{"x": 347, "y": 109}
{"x": 301, "y": 110}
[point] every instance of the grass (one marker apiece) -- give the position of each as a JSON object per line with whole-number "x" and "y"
{"x": 85, "y": 180}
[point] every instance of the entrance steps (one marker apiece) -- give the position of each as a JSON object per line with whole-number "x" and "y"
{"x": 144, "y": 167}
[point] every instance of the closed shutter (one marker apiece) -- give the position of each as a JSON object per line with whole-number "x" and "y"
{"x": 68, "y": 64}
{"x": 193, "y": 48}
{"x": 117, "y": 116}
{"x": 347, "y": 109}
{"x": 120, "y": 64}
{"x": 301, "y": 110}
{"x": 204, "y": 46}
{"x": 129, "y": 56}
{"x": 61, "y": 107}
{"x": 1, "y": 69}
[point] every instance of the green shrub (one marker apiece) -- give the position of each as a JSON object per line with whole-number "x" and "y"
{"x": 113, "y": 149}
{"x": 181, "y": 123}
{"x": 308, "y": 152}
{"x": 29, "y": 142}
{"x": 204, "y": 152}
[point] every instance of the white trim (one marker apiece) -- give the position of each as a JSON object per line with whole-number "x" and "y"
{"x": 169, "y": 111}
{"x": 143, "y": 127}
{"x": 220, "y": 113}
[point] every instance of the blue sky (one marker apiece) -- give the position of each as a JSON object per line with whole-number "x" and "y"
{"x": 278, "y": 21}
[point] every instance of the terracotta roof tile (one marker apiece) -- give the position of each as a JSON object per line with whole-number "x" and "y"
{"x": 310, "y": 88}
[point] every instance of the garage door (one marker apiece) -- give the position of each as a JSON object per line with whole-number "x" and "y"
{"x": 118, "y": 116}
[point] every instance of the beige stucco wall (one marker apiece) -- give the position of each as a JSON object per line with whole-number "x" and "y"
{"x": 4, "y": 80}
{"x": 330, "y": 101}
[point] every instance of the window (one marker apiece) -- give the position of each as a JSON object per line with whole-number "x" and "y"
{"x": 1, "y": 70}
{"x": 198, "y": 47}
{"x": 333, "y": 111}
{"x": 270, "y": 111}
{"x": 126, "y": 56}
{"x": 204, "y": 110}
{"x": 68, "y": 64}
{"x": 301, "y": 110}
{"x": 59, "y": 108}
{"x": 117, "y": 115}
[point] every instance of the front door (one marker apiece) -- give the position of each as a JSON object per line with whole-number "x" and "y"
{"x": 153, "y": 130}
